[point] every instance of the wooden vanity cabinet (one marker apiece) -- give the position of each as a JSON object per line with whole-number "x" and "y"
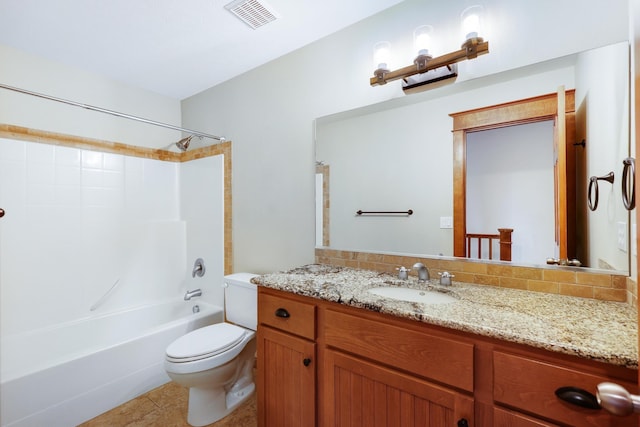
{"x": 527, "y": 383}
{"x": 369, "y": 369}
{"x": 377, "y": 373}
{"x": 286, "y": 380}
{"x": 506, "y": 418}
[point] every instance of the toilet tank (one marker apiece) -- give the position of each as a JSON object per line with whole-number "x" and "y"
{"x": 241, "y": 300}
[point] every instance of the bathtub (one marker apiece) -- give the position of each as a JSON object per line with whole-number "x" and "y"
{"x": 69, "y": 373}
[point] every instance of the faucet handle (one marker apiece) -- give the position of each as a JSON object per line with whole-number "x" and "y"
{"x": 198, "y": 268}
{"x": 445, "y": 278}
{"x": 403, "y": 273}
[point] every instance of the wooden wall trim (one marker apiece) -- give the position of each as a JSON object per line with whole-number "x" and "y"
{"x": 529, "y": 110}
{"x": 45, "y": 137}
{"x": 459, "y": 192}
{"x": 511, "y": 113}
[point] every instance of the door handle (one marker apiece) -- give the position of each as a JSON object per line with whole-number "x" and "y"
{"x": 617, "y": 400}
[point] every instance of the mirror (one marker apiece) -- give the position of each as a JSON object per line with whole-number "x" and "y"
{"x": 397, "y": 156}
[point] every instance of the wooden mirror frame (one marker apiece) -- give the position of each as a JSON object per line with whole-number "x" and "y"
{"x": 530, "y": 110}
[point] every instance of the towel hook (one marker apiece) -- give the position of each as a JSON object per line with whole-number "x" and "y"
{"x": 593, "y": 182}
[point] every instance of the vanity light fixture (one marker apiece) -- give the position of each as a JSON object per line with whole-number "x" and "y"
{"x": 473, "y": 46}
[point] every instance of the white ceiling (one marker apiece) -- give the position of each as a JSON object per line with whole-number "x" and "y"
{"x": 173, "y": 47}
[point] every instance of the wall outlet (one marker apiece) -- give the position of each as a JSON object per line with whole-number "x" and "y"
{"x": 622, "y": 236}
{"x": 446, "y": 222}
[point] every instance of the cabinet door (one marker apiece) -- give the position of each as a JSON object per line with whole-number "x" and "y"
{"x": 360, "y": 393}
{"x": 286, "y": 380}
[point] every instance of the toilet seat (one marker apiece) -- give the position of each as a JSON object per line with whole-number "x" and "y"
{"x": 205, "y": 342}
{"x": 206, "y": 348}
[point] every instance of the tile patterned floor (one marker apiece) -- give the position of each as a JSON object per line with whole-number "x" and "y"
{"x": 166, "y": 406}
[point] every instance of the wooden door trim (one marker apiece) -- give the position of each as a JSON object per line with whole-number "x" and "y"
{"x": 529, "y": 110}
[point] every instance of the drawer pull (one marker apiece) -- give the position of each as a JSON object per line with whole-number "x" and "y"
{"x": 306, "y": 362}
{"x": 462, "y": 422}
{"x": 579, "y": 397}
{"x": 281, "y": 312}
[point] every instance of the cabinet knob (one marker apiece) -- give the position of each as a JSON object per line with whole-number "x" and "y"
{"x": 462, "y": 422}
{"x": 577, "y": 396}
{"x": 1, "y": 212}
{"x": 306, "y": 362}
{"x": 283, "y": 313}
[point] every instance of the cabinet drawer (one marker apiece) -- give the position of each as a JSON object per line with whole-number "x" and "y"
{"x": 288, "y": 315}
{"x": 444, "y": 360}
{"x": 529, "y": 385}
{"x": 504, "y": 418}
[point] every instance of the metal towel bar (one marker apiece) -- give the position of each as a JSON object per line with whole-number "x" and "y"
{"x": 407, "y": 212}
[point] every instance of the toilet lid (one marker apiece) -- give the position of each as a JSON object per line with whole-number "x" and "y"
{"x": 205, "y": 342}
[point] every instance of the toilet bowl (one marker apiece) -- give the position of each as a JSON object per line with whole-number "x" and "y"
{"x": 216, "y": 362}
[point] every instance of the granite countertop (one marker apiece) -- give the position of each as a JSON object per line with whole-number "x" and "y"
{"x": 598, "y": 330}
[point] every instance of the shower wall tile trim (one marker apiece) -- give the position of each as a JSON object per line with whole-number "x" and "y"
{"x": 70, "y": 197}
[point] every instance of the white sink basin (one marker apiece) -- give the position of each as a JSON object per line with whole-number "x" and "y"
{"x": 413, "y": 295}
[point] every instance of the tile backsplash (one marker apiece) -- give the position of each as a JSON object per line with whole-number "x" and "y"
{"x": 563, "y": 281}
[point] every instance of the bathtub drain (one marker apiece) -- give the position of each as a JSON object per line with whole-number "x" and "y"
{"x": 196, "y": 309}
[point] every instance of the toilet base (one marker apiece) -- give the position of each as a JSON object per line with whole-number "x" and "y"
{"x": 207, "y": 405}
{"x": 235, "y": 398}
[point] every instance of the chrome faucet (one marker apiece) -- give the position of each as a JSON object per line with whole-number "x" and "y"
{"x": 423, "y": 273}
{"x": 191, "y": 294}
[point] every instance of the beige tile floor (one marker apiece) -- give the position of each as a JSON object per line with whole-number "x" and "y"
{"x": 166, "y": 406}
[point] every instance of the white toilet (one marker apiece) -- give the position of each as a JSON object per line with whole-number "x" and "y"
{"x": 216, "y": 362}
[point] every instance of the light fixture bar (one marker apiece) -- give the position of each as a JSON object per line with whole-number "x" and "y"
{"x": 471, "y": 49}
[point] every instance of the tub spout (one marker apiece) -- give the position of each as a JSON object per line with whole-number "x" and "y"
{"x": 191, "y": 294}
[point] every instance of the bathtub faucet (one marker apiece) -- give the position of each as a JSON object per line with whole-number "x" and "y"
{"x": 191, "y": 294}
{"x": 198, "y": 268}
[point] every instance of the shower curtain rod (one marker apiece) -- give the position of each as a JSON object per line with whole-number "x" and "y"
{"x": 113, "y": 113}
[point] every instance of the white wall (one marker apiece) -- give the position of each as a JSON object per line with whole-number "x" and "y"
{"x": 634, "y": 36}
{"x": 510, "y": 185}
{"x": 268, "y": 112}
{"x": 602, "y": 111}
{"x": 36, "y": 74}
{"x": 202, "y": 209}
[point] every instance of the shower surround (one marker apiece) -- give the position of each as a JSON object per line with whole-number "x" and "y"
{"x": 78, "y": 220}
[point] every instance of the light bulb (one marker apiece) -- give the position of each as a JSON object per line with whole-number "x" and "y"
{"x": 472, "y": 21}
{"x": 381, "y": 55}
{"x": 422, "y": 39}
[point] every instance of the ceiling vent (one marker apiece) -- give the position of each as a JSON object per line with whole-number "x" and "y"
{"x": 252, "y": 12}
